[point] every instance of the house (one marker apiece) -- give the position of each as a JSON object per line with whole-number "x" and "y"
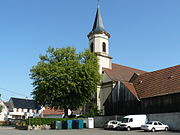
{"x": 148, "y": 93}
{"x": 3, "y": 111}
{"x": 22, "y": 108}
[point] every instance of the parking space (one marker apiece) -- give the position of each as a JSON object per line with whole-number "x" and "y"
{"x": 96, "y": 131}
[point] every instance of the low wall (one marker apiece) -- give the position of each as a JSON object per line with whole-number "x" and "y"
{"x": 99, "y": 121}
{"x": 171, "y": 119}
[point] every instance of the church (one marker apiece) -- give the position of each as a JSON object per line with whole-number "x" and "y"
{"x": 111, "y": 72}
{"x": 126, "y": 90}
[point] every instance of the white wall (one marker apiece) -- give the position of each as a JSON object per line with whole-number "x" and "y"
{"x": 98, "y": 39}
{"x": 3, "y": 114}
{"x": 104, "y": 62}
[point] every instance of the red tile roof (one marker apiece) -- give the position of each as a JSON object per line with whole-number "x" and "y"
{"x": 52, "y": 111}
{"x": 121, "y": 73}
{"x": 131, "y": 88}
{"x": 157, "y": 83}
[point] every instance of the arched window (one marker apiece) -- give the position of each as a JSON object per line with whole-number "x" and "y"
{"x": 92, "y": 47}
{"x": 104, "y": 47}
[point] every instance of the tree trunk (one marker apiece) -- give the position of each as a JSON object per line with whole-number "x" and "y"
{"x": 65, "y": 112}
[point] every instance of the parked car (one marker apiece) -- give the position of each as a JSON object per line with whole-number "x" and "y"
{"x": 133, "y": 121}
{"x": 154, "y": 126}
{"x": 112, "y": 124}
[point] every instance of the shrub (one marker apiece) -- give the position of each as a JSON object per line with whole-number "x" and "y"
{"x": 45, "y": 121}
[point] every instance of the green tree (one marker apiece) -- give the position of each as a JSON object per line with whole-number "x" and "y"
{"x": 65, "y": 79}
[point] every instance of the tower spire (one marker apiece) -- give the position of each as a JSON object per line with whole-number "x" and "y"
{"x": 98, "y": 23}
{"x": 98, "y": 26}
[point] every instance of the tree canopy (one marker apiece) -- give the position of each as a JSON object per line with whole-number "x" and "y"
{"x": 65, "y": 79}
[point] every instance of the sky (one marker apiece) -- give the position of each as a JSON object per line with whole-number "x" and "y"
{"x": 145, "y": 34}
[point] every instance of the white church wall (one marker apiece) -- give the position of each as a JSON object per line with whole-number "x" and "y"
{"x": 98, "y": 40}
{"x": 104, "y": 62}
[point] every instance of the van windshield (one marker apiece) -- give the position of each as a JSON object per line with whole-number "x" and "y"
{"x": 125, "y": 120}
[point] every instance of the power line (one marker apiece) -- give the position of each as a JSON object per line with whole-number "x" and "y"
{"x": 4, "y": 99}
{"x": 16, "y": 93}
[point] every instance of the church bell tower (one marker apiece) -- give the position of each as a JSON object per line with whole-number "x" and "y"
{"x": 99, "y": 42}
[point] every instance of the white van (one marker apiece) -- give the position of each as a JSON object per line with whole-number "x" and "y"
{"x": 133, "y": 121}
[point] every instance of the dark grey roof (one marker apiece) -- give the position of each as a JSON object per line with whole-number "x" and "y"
{"x": 25, "y": 103}
{"x": 98, "y": 23}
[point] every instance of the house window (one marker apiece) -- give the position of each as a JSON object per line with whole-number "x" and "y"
{"x": 104, "y": 47}
{"x": 92, "y": 47}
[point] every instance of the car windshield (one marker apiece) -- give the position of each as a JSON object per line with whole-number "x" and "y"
{"x": 125, "y": 120}
{"x": 150, "y": 122}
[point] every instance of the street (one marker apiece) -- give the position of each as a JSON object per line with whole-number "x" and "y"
{"x": 96, "y": 131}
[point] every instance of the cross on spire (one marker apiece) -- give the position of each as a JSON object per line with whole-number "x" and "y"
{"x": 98, "y": 3}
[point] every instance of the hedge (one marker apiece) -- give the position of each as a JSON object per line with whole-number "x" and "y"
{"x": 45, "y": 121}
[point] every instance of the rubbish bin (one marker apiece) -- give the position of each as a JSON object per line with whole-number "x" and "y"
{"x": 90, "y": 123}
{"x": 67, "y": 124}
{"x": 77, "y": 124}
{"x": 57, "y": 125}
{"x": 81, "y": 124}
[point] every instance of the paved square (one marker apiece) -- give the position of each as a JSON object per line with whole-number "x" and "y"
{"x": 96, "y": 131}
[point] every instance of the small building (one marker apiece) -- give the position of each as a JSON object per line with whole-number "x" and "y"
{"x": 22, "y": 108}
{"x": 48, "y": 112}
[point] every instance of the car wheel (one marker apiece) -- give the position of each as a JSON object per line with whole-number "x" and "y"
{"x": 128, "y": 128}
{"x": 153, "y": 130}
{"x": 166, "y": 129}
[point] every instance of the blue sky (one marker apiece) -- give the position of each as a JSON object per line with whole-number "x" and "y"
{"x": 144, "y": 34}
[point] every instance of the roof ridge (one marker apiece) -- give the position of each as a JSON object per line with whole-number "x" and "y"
{"x": 22, "y": 98}
{"x": 128, "y": 67}
{"x": 161, "y": 70}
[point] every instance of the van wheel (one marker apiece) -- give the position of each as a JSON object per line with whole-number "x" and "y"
{"x": 166, "y": 129}
{"x": 128, "y": 128}
{"x": 153, "y": 130}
